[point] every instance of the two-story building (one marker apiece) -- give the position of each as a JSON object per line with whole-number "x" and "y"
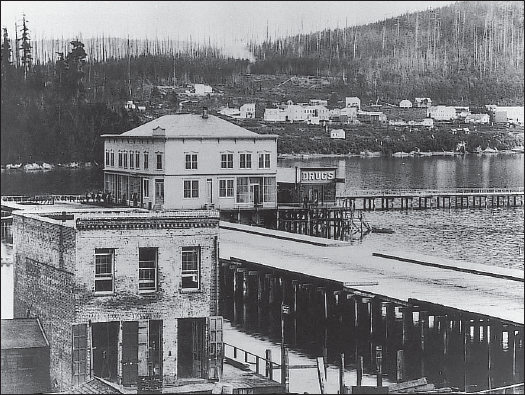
{"x": 189, "y": 161}
{"x": 130, "y": 297}
{"x": 441, "y": 113}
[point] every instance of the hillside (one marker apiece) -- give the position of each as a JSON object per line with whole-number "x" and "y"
{"x": 55, "y": 108}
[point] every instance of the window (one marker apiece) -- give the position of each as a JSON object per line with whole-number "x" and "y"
{"x": 191, "y": 161}
{"x": 245, "y": 161}
{"x": 137, "y": 160}
{"x": 264, "y": 161}
{"x": 112, "y": 158}
{"x": 269, "y": 190}
{"x": 104, "y": 270}
{"x": 131, "y": 160}
{"x": 147, "y": 269}
{"x": 146, "y": 188}
{"x": 146, "y": 161}
{"x": 191, "y": 188}
{"x": 125, "y": 156}
{"x": 225, "y": 188}
{"x": 107, "y": 158}
{"x": 120, "y": 159}
{"x": 243, "y": 190}
{"x": 159, "y": 161}
{"x": 191, "y": 267}
{"x": 226, "y": 161}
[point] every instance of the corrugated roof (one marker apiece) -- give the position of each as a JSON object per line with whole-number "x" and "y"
{"x": 191, "y": 126}
{"x": 22, "y": 333}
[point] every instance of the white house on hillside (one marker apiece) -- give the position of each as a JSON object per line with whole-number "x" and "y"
{"x": 405, "y": 104}
{"x": 248, "y": 110}
{"x": 337, "y": 134}
{"x": 353, "y": 102}
{"x": 441, "y": 113}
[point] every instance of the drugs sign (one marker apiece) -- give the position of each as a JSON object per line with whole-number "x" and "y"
{"x": 316, "y": 176}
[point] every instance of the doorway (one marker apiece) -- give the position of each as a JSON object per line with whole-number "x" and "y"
{"x": 105, "y": 350}
{"x": 191, "y": 348}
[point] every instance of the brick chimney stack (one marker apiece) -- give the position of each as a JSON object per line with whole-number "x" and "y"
{"x": 205, "y": 112}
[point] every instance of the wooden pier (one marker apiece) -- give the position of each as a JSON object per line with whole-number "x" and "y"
{"x": 434, "y": 310}
{"x": 459, "y": 198}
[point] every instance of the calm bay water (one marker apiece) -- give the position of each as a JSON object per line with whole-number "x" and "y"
{"x": 492, "y": 236}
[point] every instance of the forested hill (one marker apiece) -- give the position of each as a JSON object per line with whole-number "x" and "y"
{"x": 468, "y": 51}
{"x": 59, "y": 96}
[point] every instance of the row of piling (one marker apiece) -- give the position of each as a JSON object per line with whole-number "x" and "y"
{"x": 417, "y": 339}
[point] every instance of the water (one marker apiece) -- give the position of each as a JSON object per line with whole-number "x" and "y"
{"x": 492, "y": 236}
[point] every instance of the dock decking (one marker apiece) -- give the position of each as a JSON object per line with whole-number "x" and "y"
{"x": 472, "y": 289}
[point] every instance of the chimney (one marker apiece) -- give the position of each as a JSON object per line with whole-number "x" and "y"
{"x": 205, "y": 112}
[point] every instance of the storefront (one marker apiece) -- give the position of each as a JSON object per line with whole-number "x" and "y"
{"x": 312, "y": 186}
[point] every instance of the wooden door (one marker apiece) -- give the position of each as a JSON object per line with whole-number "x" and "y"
{"x": 130, "y": 349}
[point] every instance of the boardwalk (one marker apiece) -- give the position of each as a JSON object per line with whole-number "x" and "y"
{"x": 499, "y": 296}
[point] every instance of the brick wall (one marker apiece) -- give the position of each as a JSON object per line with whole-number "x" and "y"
{"x": 42, "y": 289}
{"x": 55, "y": 278}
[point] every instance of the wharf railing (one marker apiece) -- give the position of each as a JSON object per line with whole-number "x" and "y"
{"x": 509, "y": 389}
{"x": 431, "y": 192}
{"x": 251, "y": 358}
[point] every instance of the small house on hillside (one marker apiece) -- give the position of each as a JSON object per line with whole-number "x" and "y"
{"x": 423, "y": 102}
{"x": 247, "y": 110}
{"x": 478, "y": 118}
{"x": 338, "y": 134}
{"x": 405, "y": 104}
{"x": 201, "y": 89}
{"x": 441, "y": 113}
{"x": 353, "y": 102}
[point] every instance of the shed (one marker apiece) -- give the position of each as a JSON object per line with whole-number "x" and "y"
{"x": 25, "y": 357}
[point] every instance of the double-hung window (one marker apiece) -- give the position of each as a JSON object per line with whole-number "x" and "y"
{"x": 125, "y": 156}
{"x": 146, "y": 161}
{"x": 112, "y": 159}
{"x": 120, "y": 159}
{"x": 191, "y": 189}
{"x": 104, "y": 262}
{"x": 107, "y": 158}
{"x": 131, "y": 160}
{"x": 147, "y": 269}
{"x": 225, "y": 188}
{"x": 245, "y": 161}
{"x": 191, "y": 262}
{"x": 191, "y": 161}
{"x": 137, "y": 160}
{"x": 159, "y": 160}
{"x": 227, "y": 161}
{"x": 264, "y": 161}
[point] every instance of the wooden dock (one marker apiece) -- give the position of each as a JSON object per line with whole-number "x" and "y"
{"x": 399, "y": 277}
{"x": 459, "y": 198}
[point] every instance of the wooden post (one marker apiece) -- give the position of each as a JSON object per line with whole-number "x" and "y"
{"x": 269, "y": 365}
{"x": 400, "y": 366}
{"x": 359, "y": 370}
{"x": 285, "y": 375}
{"x": 342, "y": 388}
{"x": 379, "y": 365}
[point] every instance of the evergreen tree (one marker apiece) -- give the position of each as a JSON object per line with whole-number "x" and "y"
{"x": 25, "y": 47}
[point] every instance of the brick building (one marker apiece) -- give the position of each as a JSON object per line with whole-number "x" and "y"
{"x": 188, "y": 161}
{"x": 130, "y": 297}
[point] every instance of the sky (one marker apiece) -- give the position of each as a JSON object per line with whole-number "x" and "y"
{"x": 215, "y": 21}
